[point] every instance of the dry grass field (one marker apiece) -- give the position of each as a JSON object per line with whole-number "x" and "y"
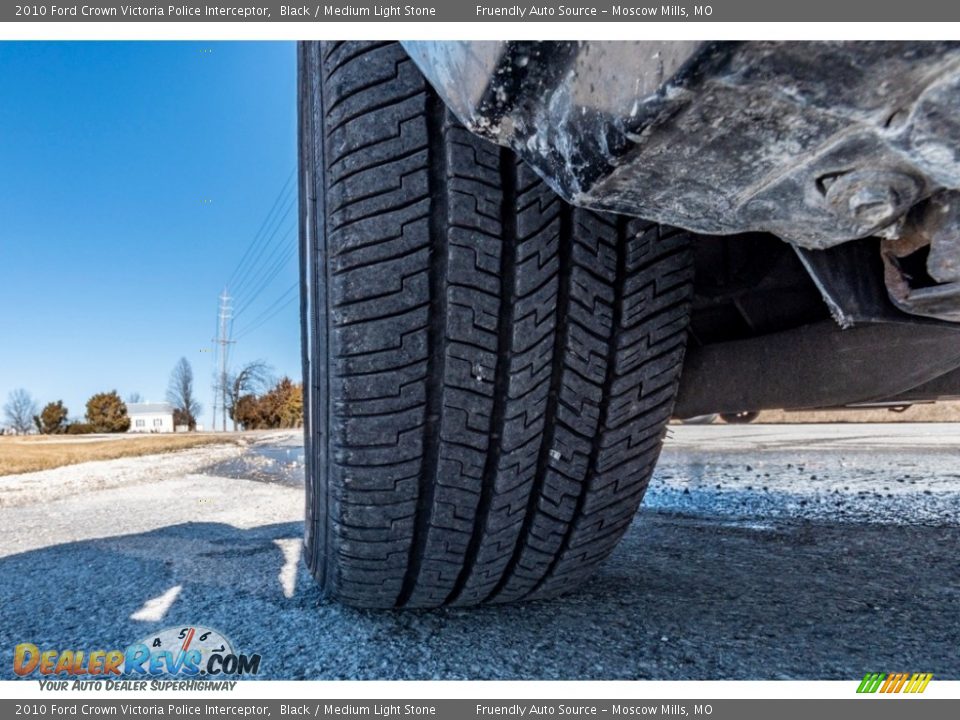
{"x": 931, "y": 412}
{"x": 32, "y": 453}
{"x": 43, "y": 452}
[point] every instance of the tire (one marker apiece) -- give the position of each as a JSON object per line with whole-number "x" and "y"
{"x": 489, "y": 372}
{"x": 740, "y": 418}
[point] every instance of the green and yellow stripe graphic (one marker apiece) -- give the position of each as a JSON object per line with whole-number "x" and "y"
{"x": 894, "y": 682}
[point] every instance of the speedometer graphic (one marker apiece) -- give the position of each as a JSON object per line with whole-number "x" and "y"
{"x": 175, "y": 649}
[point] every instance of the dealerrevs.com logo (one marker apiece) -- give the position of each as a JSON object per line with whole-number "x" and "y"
{"x": 193, "y": 652}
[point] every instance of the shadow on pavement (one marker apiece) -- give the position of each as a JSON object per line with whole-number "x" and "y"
{"x": 683, "y": 597}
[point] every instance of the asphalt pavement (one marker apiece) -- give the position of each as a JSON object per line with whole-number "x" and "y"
{"x": 787, "y": 551}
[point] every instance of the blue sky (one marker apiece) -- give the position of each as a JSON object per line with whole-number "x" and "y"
{"x": 133, "y": 177}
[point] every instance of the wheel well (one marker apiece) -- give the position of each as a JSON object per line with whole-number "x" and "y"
{"x": 750, "y": 285}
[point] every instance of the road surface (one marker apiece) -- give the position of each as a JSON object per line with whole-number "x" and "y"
{"x": 818, "y": 551}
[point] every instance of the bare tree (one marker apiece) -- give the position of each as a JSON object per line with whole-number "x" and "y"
{"x": 134, "y": 398}
{"x": 251, "y": 379}
{"x": 19, "y": 411}
{"x": 180, "y": 395}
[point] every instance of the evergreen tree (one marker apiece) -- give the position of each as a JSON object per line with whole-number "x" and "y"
{"x": 107, "y": 413}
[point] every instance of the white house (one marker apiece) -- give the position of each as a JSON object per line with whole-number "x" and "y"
{"x": 150, "y": 417}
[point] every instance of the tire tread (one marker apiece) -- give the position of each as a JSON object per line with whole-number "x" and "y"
{"x": 501, "y": 367}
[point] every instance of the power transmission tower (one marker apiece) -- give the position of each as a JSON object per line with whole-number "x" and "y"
{"x": 223, "y": 341}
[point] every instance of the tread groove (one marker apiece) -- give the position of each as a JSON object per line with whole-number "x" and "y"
{"x": 592, "y": 463}
{"x": 437, "y": 131}
{"x": 553, "y": 398}
{"x": 508, "y": 253}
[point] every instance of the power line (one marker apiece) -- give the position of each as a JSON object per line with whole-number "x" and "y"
{"x": 284, "y": 190}
{"x": 259, "y": 258}
{"x": 268, "y": 253}
{"x": 268, "y": 313}
{"x": 242, "y": 272}
{"x": 269, "y": 274}
{"x": 272, "y": 310}
{"x": 267, "y": 319}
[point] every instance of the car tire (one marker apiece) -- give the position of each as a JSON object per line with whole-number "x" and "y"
{"x": 488, "y": 371}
